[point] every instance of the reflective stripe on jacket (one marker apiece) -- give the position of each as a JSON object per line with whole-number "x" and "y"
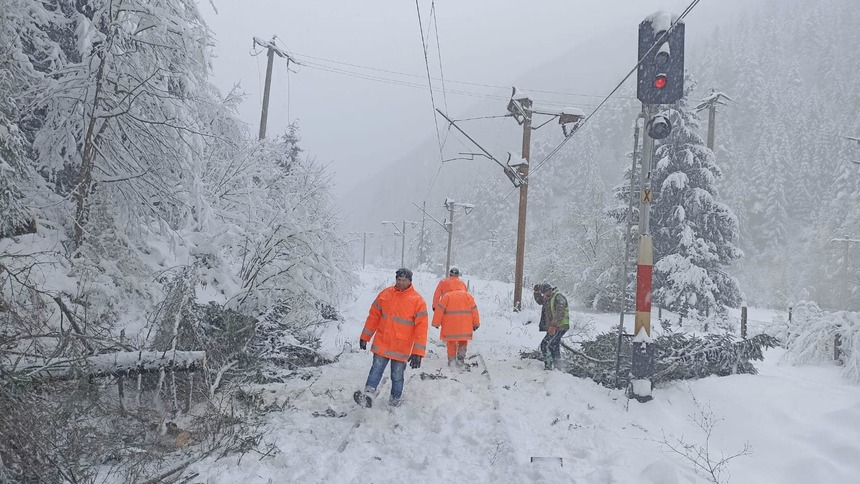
{"x": 445, "y": 286}
{"x": 457, "y": 313}
{"x": 397, "y": 322}
{"x": 558, "y": 314}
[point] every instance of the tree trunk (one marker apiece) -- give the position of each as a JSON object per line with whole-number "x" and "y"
{"x": 126, "y": 363}
{"x": 85, "y": 174}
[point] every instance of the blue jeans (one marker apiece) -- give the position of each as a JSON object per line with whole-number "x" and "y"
{"x": 378, "y": 368}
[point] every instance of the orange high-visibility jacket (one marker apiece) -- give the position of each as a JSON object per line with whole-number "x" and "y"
{"x": 447, "y": 285}
{"x": 457, "y": 313}
{"x": 399, "y": 321}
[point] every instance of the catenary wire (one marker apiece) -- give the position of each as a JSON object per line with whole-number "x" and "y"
{"x": 429, "y": 81}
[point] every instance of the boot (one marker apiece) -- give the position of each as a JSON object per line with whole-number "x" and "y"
{"x": 452, "y": 362}
{"x": 461, "y": 361}
{"x": 365, "y": 398}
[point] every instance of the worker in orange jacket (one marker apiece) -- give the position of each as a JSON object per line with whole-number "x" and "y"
{"x": 397, "y": 322}
{"x": 450, "y": 283}
{"x": 457, "y": 314}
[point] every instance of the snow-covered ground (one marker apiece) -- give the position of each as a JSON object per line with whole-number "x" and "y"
{"x": 507, "y": 420}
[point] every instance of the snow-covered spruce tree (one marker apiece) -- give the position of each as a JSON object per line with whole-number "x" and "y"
{"x": 13, "y": 213}
{"x": 693, "y": 231}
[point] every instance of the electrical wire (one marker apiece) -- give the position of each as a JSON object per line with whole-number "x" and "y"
{"x": 439, "y": 56}
{"x": 288, "y": 92}
{"x": 439, "y": 52}
{"x": 397, "y": 82}
{"x": 429, "y": 82}
{"x": 450, "y": 81}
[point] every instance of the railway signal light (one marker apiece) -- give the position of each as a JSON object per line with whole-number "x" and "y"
{"x": 660, "y": 73}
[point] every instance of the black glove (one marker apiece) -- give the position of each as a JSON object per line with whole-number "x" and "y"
{"x": 415, "y": 361}
{"x": 474, "y": 328}
{"x": 362, "y": 344}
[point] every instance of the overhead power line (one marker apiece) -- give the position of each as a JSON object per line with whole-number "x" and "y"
{"x": 429, "y": 81}
{"x": 398, "y": 82}
{"x": 449, "y": 81}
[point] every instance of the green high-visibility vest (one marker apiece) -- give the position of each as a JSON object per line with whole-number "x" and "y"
{"x": 565, "y": 322}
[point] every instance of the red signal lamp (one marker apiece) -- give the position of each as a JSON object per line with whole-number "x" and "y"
{"x": 660, "y": 81}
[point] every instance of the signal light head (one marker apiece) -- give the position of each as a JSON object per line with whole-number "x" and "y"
{"x": 660, "y": 81}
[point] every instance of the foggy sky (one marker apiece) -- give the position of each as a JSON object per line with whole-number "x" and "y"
{"x": 357, "y": 126}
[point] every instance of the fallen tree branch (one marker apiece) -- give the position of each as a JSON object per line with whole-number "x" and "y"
{"x": 127, "y": 363}
{"x": 580, "y": 353}
{"x": 74, "y": 323}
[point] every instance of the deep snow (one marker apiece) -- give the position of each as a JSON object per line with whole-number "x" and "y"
{"x": 802, "y": 424}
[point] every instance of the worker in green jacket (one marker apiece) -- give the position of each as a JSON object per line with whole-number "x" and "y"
{"x": 557, "y": 314}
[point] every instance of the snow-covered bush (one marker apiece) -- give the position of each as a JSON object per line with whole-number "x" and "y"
{"x": 815, "y": 336}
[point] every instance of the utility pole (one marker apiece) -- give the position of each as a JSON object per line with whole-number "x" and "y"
{"x": 363, "y": 246}
{"x": 448, "y": 224}
{"x": 710, "y": 103}
{"x": 520, "y": 107}
{"x": 272, "y": 50}
{"x": 524, "y": 106}
{"x": 402, "y": 233}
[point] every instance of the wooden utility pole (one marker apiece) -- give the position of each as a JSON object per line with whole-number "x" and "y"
{"x": 710, "y": 103}
{"x": 524, "y": 106}
{"x": 520, "y": 107}
{"x": 272, "y": 50}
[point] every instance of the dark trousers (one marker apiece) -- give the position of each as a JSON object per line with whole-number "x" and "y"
{"x": 550, "y": 347}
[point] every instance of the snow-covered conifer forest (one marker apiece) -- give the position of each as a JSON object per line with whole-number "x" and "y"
{"x": 169, "y": 280}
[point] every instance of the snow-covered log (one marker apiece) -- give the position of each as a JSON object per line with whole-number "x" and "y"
{"x": 125, "y": 363}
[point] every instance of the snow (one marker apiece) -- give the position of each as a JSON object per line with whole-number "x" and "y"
{"x": 662, "y": 20}
{"x": 508, "y": 420}
{"x": 515, "y": 160}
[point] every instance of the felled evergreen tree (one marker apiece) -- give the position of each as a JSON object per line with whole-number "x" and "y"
{"x": 693, "y": 231}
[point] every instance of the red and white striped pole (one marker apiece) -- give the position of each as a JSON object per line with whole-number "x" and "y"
{"x": 642, "y": 367}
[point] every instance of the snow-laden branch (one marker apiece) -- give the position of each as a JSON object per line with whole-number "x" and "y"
{"x": 109, "y": 364}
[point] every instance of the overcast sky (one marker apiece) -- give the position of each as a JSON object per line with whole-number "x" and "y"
{"x": 357, "y": 125}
